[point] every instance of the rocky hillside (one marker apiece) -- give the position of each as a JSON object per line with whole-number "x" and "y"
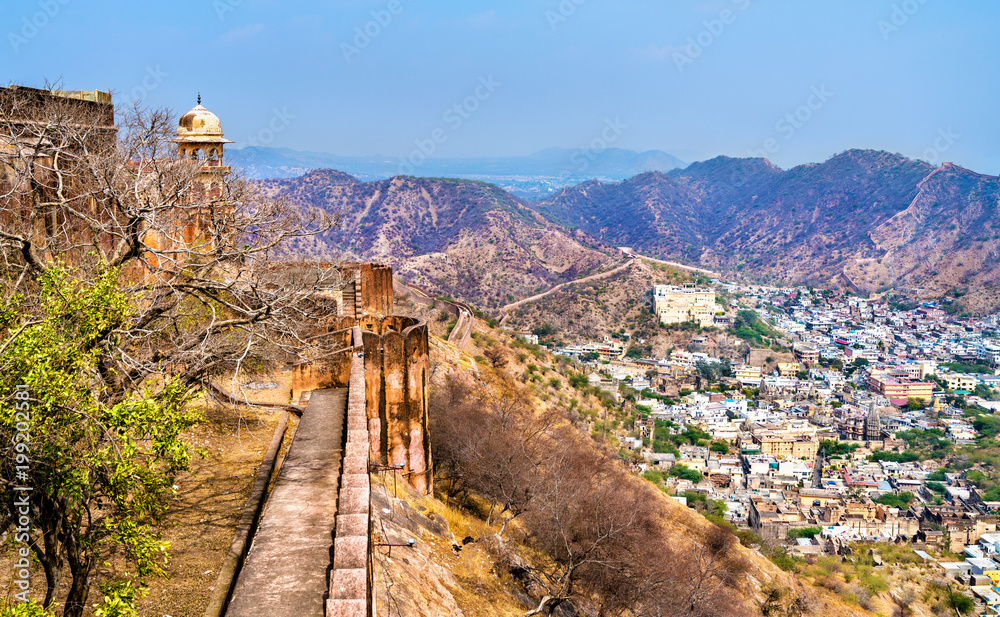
{"x": 651, "y": 212}
{"x": 946, "y": 241}
{"x": 865, "y": 219}
{"x": 453, "y": 237}
{"x": 804, "y": 222}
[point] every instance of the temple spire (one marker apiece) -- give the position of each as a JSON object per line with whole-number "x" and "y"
{"x": 199, "y": 98}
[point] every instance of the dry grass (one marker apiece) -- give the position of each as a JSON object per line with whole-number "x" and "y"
{"x": 203, "y": 514}
{"x": 432, "y": 577}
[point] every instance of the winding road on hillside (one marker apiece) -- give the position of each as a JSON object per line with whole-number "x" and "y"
{"x": 591, "y": 277}
{"x": 634, "y": 255}
{"x": 466, "y": 323}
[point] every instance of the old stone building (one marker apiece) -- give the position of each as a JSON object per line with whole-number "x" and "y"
{"x": 873, "y": 424}
{"x": 54, "y": 143}
{"x": 673, "y": 304}
{"x": 43, "y": 134}
{"x": 396, "y": 357}
{"x": 867, "y": 519}
{"x": 200, "y": 138}
{"x": 961, "y": 527}
{"x": 785, "y": 445}
{"x": 190, "y": 228}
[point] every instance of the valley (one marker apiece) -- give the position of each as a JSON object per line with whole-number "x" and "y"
{"x": 873, "y": 222}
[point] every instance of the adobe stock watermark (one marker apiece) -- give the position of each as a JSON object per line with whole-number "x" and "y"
{"x": 22, "y": 492}
{"x": 582, "y": 158}
{"x": 454, "y": 118}
{"x": 562, "y": 13}
{"x": 714, "y": 28}
{"x": 31, "y": 26}
{"x": 945, "y": 139}
{"x": 280, "y": 120}
{"x": 899, "y": 17}
{"x": 223, "y": 7}
{"x": 790, "y": 123}
{"x": 150, "y": 81}
{"x": 371, "y": 29}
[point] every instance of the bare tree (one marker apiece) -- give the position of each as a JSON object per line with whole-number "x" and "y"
{"x": 486, "y": 427}
{"x": 593, "y": 527}
{"x": 194, "y": 250}
{"x": 713, "y": 568}
{"x": 497, "y": 356}
{"x": 601, "y": 530}
{"x": 194, "y": 294}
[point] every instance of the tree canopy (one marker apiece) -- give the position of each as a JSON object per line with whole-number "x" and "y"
{"x": 131, "y": 278}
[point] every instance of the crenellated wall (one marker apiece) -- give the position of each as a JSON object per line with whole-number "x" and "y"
{"x": 368, "y": 290}
{"x": 332, "y": 371}
{"x": 396, "y": 362}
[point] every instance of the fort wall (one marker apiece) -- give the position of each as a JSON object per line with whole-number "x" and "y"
{"x": 396, "y": 363}
{"x": 351, "y": 584}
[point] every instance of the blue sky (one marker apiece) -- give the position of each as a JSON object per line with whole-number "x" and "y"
{"x": 795, "y": 81}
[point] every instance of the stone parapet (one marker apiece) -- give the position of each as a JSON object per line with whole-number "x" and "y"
{"x": 396, "y": 363}
{"x": 351, "y": 587}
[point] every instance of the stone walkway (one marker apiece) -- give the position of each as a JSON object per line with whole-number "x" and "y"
{"x": 285, "y": 573}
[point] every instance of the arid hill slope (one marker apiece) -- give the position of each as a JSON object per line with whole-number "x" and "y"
{"x": 948, "y": 238}
{"x": 478, "y": 579}
{"x": 455, "y": 237}
{"x": 866, "y": 219}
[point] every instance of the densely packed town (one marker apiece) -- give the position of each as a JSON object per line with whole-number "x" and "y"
{"x": 813, "y": 442}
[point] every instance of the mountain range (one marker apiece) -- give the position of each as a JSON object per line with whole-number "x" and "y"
{"x": 527, "y": 177}
{"x": 459, "y": 238}
{"x": 870, "y": 221}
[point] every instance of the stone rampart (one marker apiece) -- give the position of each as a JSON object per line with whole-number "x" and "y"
{"x": 351, "y": 585}
{"x": 396, "y": 362}
{"x": 372, "y": 289}
{"x": 396, "y": 365}
{"x": 332, "y": 369}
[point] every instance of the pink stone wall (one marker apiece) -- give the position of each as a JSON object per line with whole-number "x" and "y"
{"x": 351, "y": 576}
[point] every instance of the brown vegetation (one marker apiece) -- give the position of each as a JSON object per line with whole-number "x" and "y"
{"x": 599, "y": 530}
{"x": 457, "y": 238}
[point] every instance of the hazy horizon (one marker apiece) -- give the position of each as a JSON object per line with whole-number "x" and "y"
{"x": 793, "y": 82}
{"x": 687, "y": 163}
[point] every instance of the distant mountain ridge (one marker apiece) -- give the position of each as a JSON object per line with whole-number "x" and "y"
{"x": 454, "y": 237}
{"x": 871, "y": 221}
{"x": 527, "y": 177}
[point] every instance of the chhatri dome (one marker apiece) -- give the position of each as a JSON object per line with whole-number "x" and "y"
{"x": 199, "y": 135}
{"x": 199, "y": 124}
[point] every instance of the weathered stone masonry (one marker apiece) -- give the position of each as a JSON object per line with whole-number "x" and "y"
{"x": 383, "y": 360}
{"x": 351, "y": 585}
{"x": 396, "y": 364}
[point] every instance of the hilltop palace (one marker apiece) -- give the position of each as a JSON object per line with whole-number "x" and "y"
{"x": 674, "y": 304}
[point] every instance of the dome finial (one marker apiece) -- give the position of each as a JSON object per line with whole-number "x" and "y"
{"x": 199, "y": 98}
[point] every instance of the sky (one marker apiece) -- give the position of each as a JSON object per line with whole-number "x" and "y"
{"x": 794, "y": 81}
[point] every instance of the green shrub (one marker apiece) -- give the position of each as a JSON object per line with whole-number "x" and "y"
{"x": 682, "y": 471}
{"x": 803, "y": 532}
